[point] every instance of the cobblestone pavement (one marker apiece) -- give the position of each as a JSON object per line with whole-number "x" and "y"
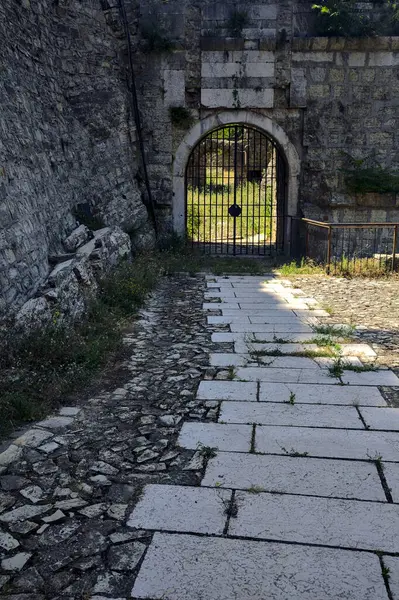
{"x": 230, "y": 463}
{"x": 68, "y": 485}
{"x": 372, "y": 304}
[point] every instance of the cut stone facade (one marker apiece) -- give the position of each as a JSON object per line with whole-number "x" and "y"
{"x": 331, "y": 97}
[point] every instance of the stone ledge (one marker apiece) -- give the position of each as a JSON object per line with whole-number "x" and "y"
{"x": 340, "y": 44}
{"x": 231, "y": 44}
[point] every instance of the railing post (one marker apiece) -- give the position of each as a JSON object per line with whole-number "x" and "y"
{"x": 307, "y": 241}
{"x": 329, "y": 249}
{"x": 395, "y": 239}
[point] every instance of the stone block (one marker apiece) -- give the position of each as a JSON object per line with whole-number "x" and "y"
{"x": 78, "y": 237}
{"x": 391, "y": 473}
{"x": 181, "y": 508}
{"x": 221, "y": 569}
{"x": 385, "y": 419}
{"x": 34, "y": 313}
{"x": 239, "y": 98}
{"x": 212, "y": 44}
{"x": 383, "y": 59}
{"x": 329, "y": 443}
{"x": 226, "y": 438}
{"x": 227, "y": 390}
{"x": 298, "y": 415}
{"x": 318, "y": 57}
{"x": 293, "y": 475}
{"x": 174, "y": 88}
{"x": 351, "y": 524}
{"x": 383, "y": 377}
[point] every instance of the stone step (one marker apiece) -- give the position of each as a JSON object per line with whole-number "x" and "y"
{"x": 202, "y": 568}
{"x": 232, "y": 438}
{"x": 271, "y": 328}
{"x": 321, "y": 394}
{"x": 286, "y": 375}
{"x": 308, "y": 520}
{"x": 386, "y": 419}
{"x": 383, "y": 377}
{"x": 328, "y": 443}
{"x": 227, "y": 390}
{"x": 298, "y": 415}
{"x": 181, "y": 508}
{"x": 292, "y": 475}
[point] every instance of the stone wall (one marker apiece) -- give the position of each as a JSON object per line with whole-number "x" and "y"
{"x": 67, "y": 137}
{"x": 67, "y": 134}
{"x": 332, "y": 97}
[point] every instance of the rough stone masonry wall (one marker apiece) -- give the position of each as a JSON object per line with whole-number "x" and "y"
{"x": 66, "y": 133}
{"x": 331, "y": 96}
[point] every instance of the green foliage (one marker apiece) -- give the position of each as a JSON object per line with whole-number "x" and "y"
{"x": 181, "y": 117}
{"x": 39, "y": 369}
{"x": 342, "y": 18}
{"x": 238, "y": 19}
{"x": 301, "y": 267}
{"x": 205, "y": 202}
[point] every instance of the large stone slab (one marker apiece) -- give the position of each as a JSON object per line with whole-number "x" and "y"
{"x": 232, "y": 438}
{"x": 321, "y": 394}
{"x": 288, "y": 362}
{"x": 308, "y": 520}
{"x": 276, "y": 375}
{"x": 271, "y": 328}
{"x": 264, "y": 312}
{"x": 297, "y": 415}
{"x": 223, "y": 337}
{"x": 283, "y": 348}
{"x": 329, "y": 443}
{"x": 230, "y": 359}
{"x": 227, "y": 390}
{"x": 220, "y": 305}
{"x": 383, "y": 377}
{"x": 264, "y": 319}
{"x": 286, "y": 337}
{"x": 391, "y": 473}
{"x": 292, "y": 475}
{"x": 259, "y": 304}
{"x": 227, "y": 320}
{"x": 196, "y": 568}
{"x": 381, "y": 418}
{"x": 181, "y": 508}
{"x": 392, "y": 563}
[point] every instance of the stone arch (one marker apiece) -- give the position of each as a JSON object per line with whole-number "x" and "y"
{"x": 200, "y": 129}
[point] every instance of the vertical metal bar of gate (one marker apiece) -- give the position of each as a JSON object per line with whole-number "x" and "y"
{"x": 235, "y": 190}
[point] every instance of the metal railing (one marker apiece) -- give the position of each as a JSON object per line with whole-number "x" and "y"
{"x": 345, "y": 248}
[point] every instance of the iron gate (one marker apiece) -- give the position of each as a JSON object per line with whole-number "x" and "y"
{"x": 235, "y": 193}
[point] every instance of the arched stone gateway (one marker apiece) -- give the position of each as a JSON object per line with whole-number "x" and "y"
{"x": 235, "y": 179}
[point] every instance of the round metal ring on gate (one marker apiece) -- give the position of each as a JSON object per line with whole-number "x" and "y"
{"x": 235, "y": 210}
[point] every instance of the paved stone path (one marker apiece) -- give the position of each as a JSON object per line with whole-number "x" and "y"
{"x": 228, "y": 464}
{"x": 300, "y": 491}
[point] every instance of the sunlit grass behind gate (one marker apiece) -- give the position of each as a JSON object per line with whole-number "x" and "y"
{"x": 208, "y": 219}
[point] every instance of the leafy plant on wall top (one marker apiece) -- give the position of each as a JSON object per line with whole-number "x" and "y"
{"x": 342, "y": 18}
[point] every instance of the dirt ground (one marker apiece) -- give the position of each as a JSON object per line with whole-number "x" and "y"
{"x": 372, "y": 305}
